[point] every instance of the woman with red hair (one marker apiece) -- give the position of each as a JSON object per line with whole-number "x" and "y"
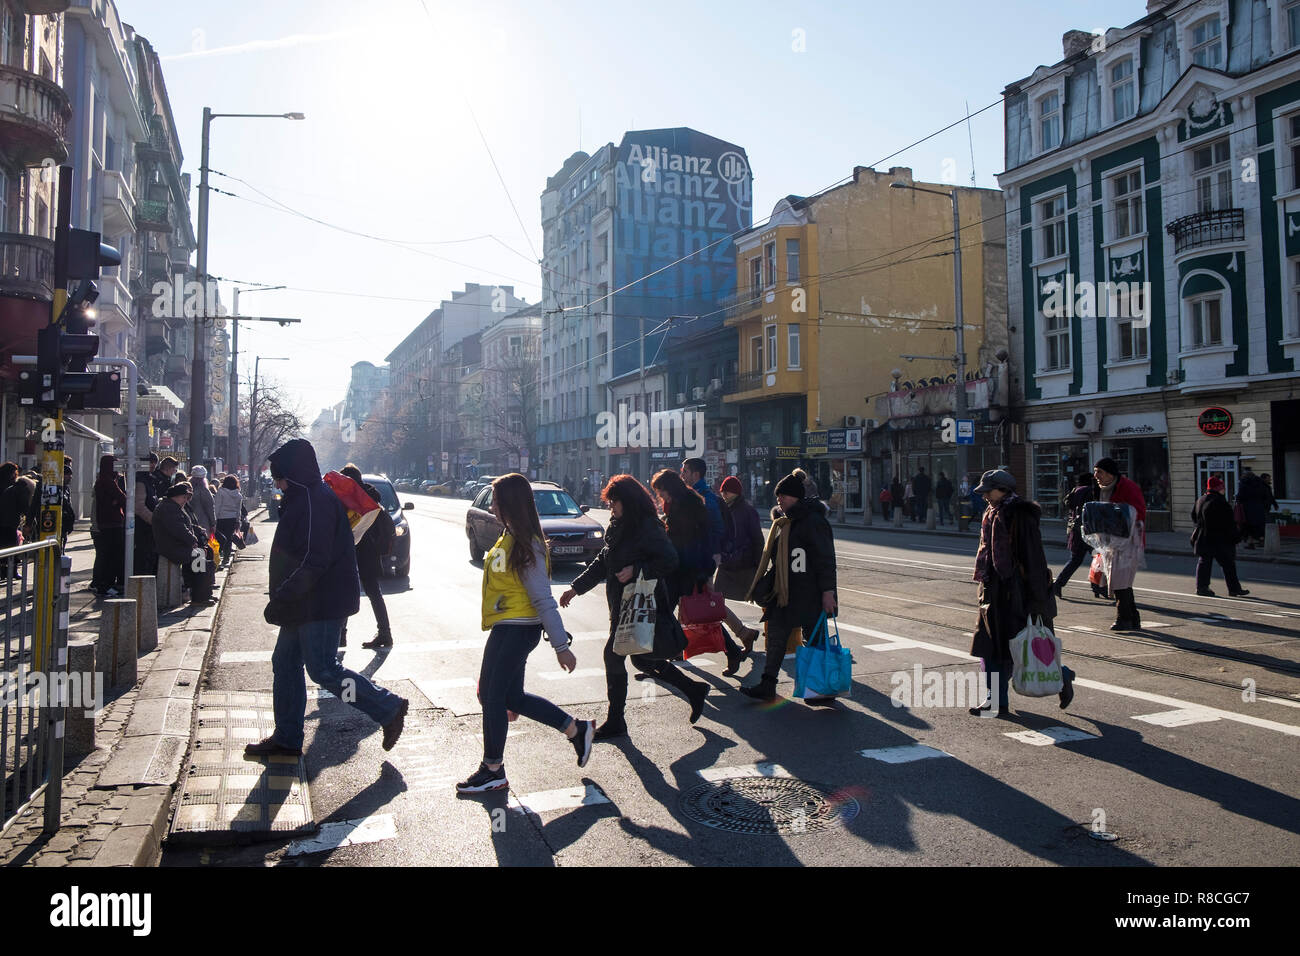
{"x": 636, "y": 543}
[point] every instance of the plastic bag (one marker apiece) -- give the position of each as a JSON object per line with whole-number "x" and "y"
{"x": 635, "y": 633}
{"x": 1036, "y": 658}
{"x": 823, "y": 667}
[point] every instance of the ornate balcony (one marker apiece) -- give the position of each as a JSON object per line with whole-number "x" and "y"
{"x": 152, "y": 215}
{"x": 744, "y": 382}
{"x": 741, "y": 304}
{"x": 26, "y": 267}
{"x": 34, "y": 117}
{"x": 119, "y": 204}
{"x": 1210, "y": 228}
{"x": 158, "y": 337}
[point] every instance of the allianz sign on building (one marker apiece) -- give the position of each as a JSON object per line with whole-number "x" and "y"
{"x": 1153, "y": 253}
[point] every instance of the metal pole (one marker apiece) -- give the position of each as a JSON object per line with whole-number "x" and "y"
{"x": 199, "y": 372}
{"x": 959, "y": 403}
{"x": 232, "y": 443}
{"x": 252, "y": 420}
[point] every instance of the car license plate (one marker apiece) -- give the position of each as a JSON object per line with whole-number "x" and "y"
{"x": 567, "y": 549}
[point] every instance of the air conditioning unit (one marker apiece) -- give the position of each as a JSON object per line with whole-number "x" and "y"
{"x": 681, "y": 398}
{"x": 697, "y": 394}
{"x": 1086, "y": 420}
{"x": 852, "y": 421}
{"x": 870, "y": 424}
{"x": 715, "y": 385}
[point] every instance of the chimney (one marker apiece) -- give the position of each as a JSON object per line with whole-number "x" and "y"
{"x": 1076, "y": 41}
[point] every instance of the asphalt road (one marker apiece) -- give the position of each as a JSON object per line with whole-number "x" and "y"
{"x": 1189, "y": 731}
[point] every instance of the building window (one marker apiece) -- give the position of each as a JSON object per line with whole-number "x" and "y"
{"x": 516, "y": 344}
{"x": 1207, "y": 43}
{"x": 1293, "y": 139}
{"x": 1056, "y": 341}
{"x": 1207, "y": 321}
{"x": 1130, "y": 325}
{"x": 1213, "y": 177}
{"x": 1291, "y": 14}
{"x": 769, "y": 263}
{"x": 792, "y": 347}
{"x": 792, "y": 261}
{"x": 756, "y": 354}
{"x": 755, "y": 273}
{"x": 771, "y": 347}
{"x": 1127, "y": 191}
{"x": 1295, "y": 298}
{"x": 1051, "y": 214}
{"x": 4, "y": 194}
{"x": 1049, "y": 123}
{"x": 1122, "y": 87}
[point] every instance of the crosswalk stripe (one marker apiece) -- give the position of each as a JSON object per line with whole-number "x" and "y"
{"x": 1177, "y": 718}
{"x": 566, "y": 799}
{"x": 346, "y": 833}
{"x": 580, "y": 672}
{"x": 906, "y": 753}
{"x": 1049, "y": 736}
{"x": 715, "y": 774}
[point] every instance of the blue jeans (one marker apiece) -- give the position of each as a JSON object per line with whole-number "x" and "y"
{"x": 501, "y": 687}
{"x": 315, "y": 644}
{"x": 945, "y": 513}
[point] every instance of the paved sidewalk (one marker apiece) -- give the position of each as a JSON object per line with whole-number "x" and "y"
{"x": 117, "y": 800}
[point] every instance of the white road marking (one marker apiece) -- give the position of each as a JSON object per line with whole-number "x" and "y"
{"x": 432, "y": 688}
{"x": 1177, "y": 718}
{"x": 580, "y": 672}
{"x": 1156, "y": 624}
{"x": 714, "y": 774}
{"x": 900, "y": 645}
{"x": 907, "y": 753}
{"x": 346, "y": 833}
{"x": 1079, "y": 627}
{"x": 1173, "y": 702}
{"x": 567, "y": 799}
{"x": 1051, "y": 735}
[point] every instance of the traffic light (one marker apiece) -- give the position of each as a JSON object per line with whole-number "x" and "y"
{"x": 66, "y": 347}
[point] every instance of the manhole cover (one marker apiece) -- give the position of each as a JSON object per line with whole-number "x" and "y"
{"x": 768, "y": 805}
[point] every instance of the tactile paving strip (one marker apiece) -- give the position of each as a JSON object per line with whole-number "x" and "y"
{"x": 229, "y": 797}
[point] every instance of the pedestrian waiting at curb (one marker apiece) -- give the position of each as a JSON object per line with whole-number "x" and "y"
{"x": 795, "y": 582}
{"x": 921, "y": 489}
{"x": 1085, "y": 490}
{"x": 517, "y": 607}
{"x": 109, "y": 513}
{"x": 314, "y": 589}
{"x": 1255, "y": 496}
{"x": 943, "y": 498}
{"x": 636, "y": 543}
{"x": 1014, "y": 587}
{"x": 227, "y": 504}
{"x": 1215, "y": 539}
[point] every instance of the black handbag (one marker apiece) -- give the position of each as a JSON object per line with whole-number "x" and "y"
{"x": 763, "y": 593}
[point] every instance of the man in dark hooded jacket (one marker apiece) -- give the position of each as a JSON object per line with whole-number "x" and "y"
{"x": 314, "y": 588}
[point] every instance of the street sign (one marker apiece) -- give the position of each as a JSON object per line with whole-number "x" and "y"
{"x": 965, "y": 431}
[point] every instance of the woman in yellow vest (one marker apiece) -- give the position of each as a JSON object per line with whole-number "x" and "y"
{"x": 517, "y": 606}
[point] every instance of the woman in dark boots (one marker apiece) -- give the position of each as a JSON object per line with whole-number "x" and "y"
{"x": 636, "y": 542}
{"x": 1085, "y": 490}
{"x": 1014, "y": 586}
{"x": 801, "y": 552}
{"x": 687, "y": 522}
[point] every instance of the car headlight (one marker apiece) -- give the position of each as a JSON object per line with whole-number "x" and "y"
{"x": 400, "y": 530}
{"x": 596, "y": 534}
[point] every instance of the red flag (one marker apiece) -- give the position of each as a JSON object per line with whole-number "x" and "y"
{"x": 362, "y": 509}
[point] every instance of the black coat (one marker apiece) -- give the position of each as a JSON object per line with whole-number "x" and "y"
{"x": 1216, "y": 529}
{"x": 378, "y": 539}
{"x": 742, "y": 546}
{"x": 313, "y": 566}
{"x": 812, "y": 560}
{"x": 1006, "y": 604}
{"x": 647, "y": 549}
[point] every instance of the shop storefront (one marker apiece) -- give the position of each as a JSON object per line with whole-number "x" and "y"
{"x": 834, "y": 458}
{"x": 771, "y": 445}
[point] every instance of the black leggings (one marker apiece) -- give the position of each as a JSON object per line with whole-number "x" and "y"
{"x": 616, "y": 677}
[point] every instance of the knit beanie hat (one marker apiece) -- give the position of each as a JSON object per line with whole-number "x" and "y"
{"x": 731, "y": 485}
{"x": 791, "y": 485}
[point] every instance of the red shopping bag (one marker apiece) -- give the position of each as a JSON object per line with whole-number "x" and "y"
{"x": 702, "y": 607}
{"x": 1095, "y": 573}
{"x": 362, "y": 509}
{"x": 703, "y": 639}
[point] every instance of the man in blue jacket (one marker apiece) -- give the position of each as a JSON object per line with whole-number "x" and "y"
{"x": 693, "y": 471}
{"x": 314, "y": 589}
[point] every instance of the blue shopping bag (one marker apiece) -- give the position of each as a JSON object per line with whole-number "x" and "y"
{"x": 823, "y": 667}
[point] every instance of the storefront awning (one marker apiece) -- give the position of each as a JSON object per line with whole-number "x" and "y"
{"x": 85, "y": 431}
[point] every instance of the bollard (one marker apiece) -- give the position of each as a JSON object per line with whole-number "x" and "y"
{"x": 1272, "y": 539}
{"x": 168, "y": 594}
{"x": 930, "y": 517}
{"x": 79, "y": 726}
{"x": 866, "y": 514}
{"x": 898, "y": 517}
{"x": 143, "y": 589}
{"x": 117, "y": 642}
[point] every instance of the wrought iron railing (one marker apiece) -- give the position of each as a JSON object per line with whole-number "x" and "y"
{"x": 26, "y": 266}
{"x": 1207, "y": 228}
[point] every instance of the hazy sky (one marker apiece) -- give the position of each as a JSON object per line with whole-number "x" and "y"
{"x": 390, "y": 146}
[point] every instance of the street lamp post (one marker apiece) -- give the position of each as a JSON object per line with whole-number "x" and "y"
{"x": 254, "y": 466}
{"x": 233, "y": 442}
{"x": 199, "y": 370}
{"x": 959, "y": 400}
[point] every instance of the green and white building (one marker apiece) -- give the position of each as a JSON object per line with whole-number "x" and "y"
{"x": 1162, "y": 158}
